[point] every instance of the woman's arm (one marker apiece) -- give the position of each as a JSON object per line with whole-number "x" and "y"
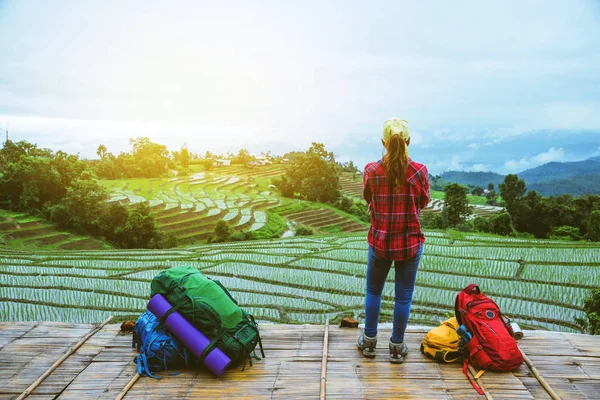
{"x": 425, "y": 196}
{"x": 367, "y": 194}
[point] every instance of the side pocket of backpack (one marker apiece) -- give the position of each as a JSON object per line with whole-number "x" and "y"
{"x": 476, "y": 355}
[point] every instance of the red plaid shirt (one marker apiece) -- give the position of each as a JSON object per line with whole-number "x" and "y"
{"x": 395, "y": 232}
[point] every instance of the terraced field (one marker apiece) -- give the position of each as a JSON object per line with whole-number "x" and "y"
{"x": 19, "y": 230}
{"x": 540, "y": 283}
{"x": 324, "y": 220}
{"x": 190, "y": 207}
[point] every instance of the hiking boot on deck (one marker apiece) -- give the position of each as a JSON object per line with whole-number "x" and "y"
{"x": 397, "y": 352}
{"x": 367, "y": 345}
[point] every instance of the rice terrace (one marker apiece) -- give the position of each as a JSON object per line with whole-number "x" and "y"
{"x": 542, "y": 284}
{"x": 299, "y": 200}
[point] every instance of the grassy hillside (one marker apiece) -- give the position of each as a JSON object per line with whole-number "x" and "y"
{"x": 19, "y": 230}
{"x": 539, "y": 283}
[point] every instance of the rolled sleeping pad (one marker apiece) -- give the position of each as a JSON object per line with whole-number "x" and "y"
{"x": 190, "y": 336}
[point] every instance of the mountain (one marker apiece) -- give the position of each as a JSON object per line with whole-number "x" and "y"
{"x": 561, "y": 170}
{"x": 576, "y": 186}
{"x": 555, "y": 178}
{"x": 473, "y": 178}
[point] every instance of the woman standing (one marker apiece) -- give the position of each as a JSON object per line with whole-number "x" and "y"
{"x": 396, "y": 190}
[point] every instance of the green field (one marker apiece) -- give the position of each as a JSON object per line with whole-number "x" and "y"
{"x": 307, "y": 279}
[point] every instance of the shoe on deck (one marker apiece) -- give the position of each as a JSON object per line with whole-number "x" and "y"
{"x": 397, "y": 352}
{"x": 367, "y": 345}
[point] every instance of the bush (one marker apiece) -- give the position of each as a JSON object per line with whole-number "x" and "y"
{"x": 222, "y": 232}
{"x": 303, "y": 230}
{"x": 184, "y": 172}
{"x": 524, "y": 235}
{"x": 501, "y": 224}
{"x": 360, "y": 210}
{"x": 591, "y": 306}
{"x": 565, "y": 232}
{"x": 481, "y": 224}
{"x": 240, "y": 236}
{"x": 466, "y": 226}
{"x": 431, "y": 220}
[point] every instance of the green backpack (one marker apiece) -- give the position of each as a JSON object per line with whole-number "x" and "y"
{"x": 207, "y": 305}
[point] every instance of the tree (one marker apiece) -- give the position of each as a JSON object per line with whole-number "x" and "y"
{"x": 477, "y": 191}
{"x": 243, "y": 157}
{"x": 512, "y": 190}
{"x": 501, "y": 224}
{"x": 593, "y": 232}
{"x": 85, "y": 202}
{"x": 222, "y": 231}
{"x": 313, "y": 175}
{"x": 591, "y": 306}
{"x": 456, "y": 207}
{"x": 184, "y": 156}
{"x": 140, "y": 227}
{"x": 101, "y": 151}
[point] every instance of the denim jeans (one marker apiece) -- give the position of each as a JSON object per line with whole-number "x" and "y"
{"x": 405, "y": 276}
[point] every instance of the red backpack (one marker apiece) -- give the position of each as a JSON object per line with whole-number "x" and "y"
{"x": 492, "y": 346}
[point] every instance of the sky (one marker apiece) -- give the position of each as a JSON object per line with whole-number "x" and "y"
{"x": 501, "y": 86}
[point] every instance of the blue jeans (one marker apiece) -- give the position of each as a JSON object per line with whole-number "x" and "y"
{"x": 406, "y": 275}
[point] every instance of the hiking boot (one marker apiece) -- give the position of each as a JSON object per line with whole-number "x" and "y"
{"x": 397, "y": 352}
{"x": 367, "y": 345}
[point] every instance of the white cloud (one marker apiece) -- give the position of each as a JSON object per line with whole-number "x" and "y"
{"x": 552, "y": 154}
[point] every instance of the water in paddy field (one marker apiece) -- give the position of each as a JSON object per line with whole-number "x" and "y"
{"x": 290, "y": 231}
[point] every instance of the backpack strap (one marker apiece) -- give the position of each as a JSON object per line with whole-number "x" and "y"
{"x": 465, "y": 364}
{"x": 212, "y": 344}
{"x": 142, "y": 366}
{"x": 255, "y": 327}
{"x": 472, "y": 289}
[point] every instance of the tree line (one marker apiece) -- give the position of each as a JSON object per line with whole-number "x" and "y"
{"x": 65, "y": 190}
{"x": 527, "y": 213}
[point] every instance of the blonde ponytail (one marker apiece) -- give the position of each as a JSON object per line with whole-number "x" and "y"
{"x": 395, "y": 161}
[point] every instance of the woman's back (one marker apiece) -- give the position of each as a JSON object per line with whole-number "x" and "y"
{"x": 395, "y": 231}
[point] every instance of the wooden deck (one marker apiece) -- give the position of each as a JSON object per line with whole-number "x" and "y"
{"x": 103, "y": 366}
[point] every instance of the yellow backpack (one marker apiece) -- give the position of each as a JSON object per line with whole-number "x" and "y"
{"x": 442, "y": 342}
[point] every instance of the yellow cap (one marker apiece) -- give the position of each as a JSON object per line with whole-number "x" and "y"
{"x": 396, "y": 126}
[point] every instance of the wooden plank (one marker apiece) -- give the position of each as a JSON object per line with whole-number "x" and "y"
{"x": 54, "y": 366}
{"x": 293, "y": 367}
{"x": 323, "y": 389}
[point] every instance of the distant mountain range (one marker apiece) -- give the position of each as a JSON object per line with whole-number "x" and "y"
{"x": 555, "y": 178}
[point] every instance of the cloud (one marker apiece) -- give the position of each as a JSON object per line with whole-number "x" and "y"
{"x": 552, "y": 154}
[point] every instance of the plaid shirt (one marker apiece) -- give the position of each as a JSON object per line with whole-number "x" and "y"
{"x": 395, "y": 232}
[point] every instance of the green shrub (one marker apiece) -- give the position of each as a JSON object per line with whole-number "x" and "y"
{"x": 591, "y": 322}
{"x": 240, "y": 236}
{"x": 184, "y": 172}
{"x": 466, "y": 226}
{"x": 303, "y": 230}
{"x": 501, "y": 224}
{"x": 524, "y": 235}
{"x": 481, "y": 224}
{"x": 431, "y": 220}
{"x": 222, "y": 232}
{"x": 565, "y": 232}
